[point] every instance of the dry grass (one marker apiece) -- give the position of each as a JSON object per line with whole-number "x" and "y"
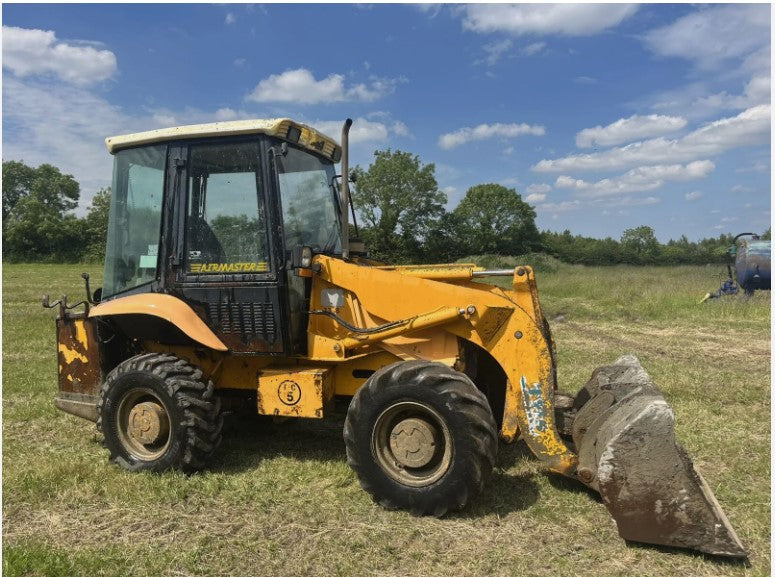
{"x": 283, "y": 501}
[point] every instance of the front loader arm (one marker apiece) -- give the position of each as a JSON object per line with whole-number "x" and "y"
{"x": 525, "y": 350}
{"x": 508, "y": 324}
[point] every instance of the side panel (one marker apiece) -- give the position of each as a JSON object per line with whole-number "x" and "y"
{"x": 79, "y": 367}
{"x": 245, "y": 318}
{"x": 79, "y": 356}
{"x": 295, "y": 391}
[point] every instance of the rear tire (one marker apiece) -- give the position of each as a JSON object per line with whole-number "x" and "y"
{"x": 157, "y": 413}
{"x": 421, "y": 437}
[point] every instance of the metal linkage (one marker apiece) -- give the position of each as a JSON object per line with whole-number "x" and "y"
{"x": 63, "y": 305}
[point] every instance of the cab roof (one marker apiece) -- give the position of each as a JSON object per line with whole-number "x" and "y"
{"x": 283, "y": 128}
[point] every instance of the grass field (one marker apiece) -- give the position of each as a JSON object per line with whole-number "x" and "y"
{"x": 284, "y": 502}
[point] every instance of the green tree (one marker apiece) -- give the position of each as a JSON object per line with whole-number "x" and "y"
{"x": 36, "y": 225}
{"x": 399, "y": 201}
{"x": 443, "y": 243}
{"x": 640, "y": 246}
{"x": 96, "y": 226}
{"x": 17, "y": 180}
{"x": 494, "y": 219}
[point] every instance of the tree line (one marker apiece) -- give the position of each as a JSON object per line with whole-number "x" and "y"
{"x": 38, "y": 220}
{"x": 402, "y": 219}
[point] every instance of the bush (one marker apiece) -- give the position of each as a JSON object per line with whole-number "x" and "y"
{"x": 539, "y": 261}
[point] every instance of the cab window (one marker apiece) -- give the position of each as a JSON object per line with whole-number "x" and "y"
{"x": 226, "y": 230}
{"x": 134, "y": 225}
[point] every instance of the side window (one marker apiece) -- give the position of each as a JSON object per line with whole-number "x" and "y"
{"x": 226, "y": 229}
{"x": 134, "y": 224}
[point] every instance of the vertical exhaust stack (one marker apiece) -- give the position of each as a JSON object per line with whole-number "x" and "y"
{"x": 346, "y": 187}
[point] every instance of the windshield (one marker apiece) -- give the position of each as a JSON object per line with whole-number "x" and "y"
{"x": 309, "y": 200}
{"x": 131, "y": 255}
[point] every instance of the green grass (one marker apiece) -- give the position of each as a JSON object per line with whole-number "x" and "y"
{"x": 284, "y": 502}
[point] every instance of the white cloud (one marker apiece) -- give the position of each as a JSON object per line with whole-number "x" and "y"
{"x": 28, "y": 52}
{"x": 63, "y": 125}
{"x": 637, "y": 180}
{"x": 756, "y": 91}
{"x": 713, "y": 36}
{"x": 300, "y": 86}
{"x": 162, "y": 119}
{"x": 533, "y": 49}
{"x": 694, "y": 195}
{"x": 432, "y": 9}
{"x": 742, "y": 188}
{"x": 495, "y": 50}
{"x": 546, "y": 19}
{"x": 223, "y": 114}
{"x": 750, "y": 127}
{"x": 628, "y": 130}
{"x": 362, "y": 130}
{"x": 486, "y": 131}
{"x": 557, "y": 207}
{"x": 539, "y": 188}
{"x": 400, "y": 129}
{"x": 729, "y": 47}
{"x": 231, "y": 18}
{"x": 756, "y": 167}
{"x": 535, "y": 197}
{"x": 630, "y": 201}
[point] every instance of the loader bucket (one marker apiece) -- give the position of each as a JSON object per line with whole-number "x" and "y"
{"x": 625, "y": 436}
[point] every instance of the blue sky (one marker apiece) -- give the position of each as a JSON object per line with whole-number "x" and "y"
{"x": 603, "y": 117}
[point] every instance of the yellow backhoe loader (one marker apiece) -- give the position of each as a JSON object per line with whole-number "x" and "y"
{"x": 231, "y": 281}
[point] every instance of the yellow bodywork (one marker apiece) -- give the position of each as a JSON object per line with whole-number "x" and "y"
{"x": 508, "y": 324}
{"x": 363, "y": 318}
{"x": 77, "y": 349}
{"x": 169, "y": 308}
{"x": 294, "y": 391}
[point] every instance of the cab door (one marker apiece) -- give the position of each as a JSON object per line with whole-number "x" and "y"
{"x": 227, "y": 267}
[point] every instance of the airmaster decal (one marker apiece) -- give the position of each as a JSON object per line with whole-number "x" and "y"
{"x": 215, "y": 267}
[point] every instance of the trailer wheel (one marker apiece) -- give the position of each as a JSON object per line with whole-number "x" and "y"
{"x": 421, "y": 437}
{"x": 156, "y": 413}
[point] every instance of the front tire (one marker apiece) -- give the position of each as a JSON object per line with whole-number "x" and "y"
{"x": 421, "y": 437}
{"x": 157, "y": 413}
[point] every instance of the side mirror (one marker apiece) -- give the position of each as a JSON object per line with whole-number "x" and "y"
{"x": 301, "y": 260}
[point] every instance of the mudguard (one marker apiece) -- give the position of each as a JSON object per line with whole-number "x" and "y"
{"x": 166, "y": 307}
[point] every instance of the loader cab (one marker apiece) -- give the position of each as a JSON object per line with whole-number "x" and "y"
{"x": 212, "y": 214}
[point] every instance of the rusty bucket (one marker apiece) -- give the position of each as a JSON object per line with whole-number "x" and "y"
{"x": 624, "y": 431}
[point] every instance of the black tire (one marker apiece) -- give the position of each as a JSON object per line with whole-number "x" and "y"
{"x": 446, "y": 464}
{"x": 176, "y": 417}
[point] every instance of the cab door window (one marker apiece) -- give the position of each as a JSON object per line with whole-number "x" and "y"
{"x": 226, "y": 230}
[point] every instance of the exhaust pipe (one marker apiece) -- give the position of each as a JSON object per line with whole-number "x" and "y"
{"x": 346, "y": 188}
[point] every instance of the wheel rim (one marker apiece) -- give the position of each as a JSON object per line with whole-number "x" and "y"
{"x": 143, "y": 424}
{"x": 412, "y": 443}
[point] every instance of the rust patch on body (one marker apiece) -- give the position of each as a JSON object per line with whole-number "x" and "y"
{"x": 78, "y": 356}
